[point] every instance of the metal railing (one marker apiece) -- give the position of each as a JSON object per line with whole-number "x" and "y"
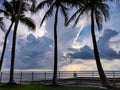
{"x": 64, "y": 77}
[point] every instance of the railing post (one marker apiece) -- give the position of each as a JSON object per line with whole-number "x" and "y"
{"x": 20, "y": 77}
{"x": 1, "y": 77}
{"x": 59, "y": 74}
{"x": 32, "y": 77}
{"x": 114, "y": 80}
{"x": 93, "y": 74}
{"x": 45, "y": 76}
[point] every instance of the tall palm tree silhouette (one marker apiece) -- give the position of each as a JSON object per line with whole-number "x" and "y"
{"x": 58, "y": 5}
{"x": 98, "y": 10}
{"x": 15, "y": 14}
{"x": 10, "y": 12}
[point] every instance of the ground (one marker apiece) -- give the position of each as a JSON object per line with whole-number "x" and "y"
{"x": 43, "y": 87}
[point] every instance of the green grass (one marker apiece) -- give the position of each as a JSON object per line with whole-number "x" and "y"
{"x": 43, "y": 87}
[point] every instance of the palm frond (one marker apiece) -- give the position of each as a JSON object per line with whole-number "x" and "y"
{"x": 64, "y": 12}
{"x": 73, "y": 17}
{"x": 4, "y": 12}
{"x": 8, "y": 7}
{"x": 72, "y": 3}
{"x": 42, "y": 5}
{"x": 30, "y": 0}
{"x": 28, "y": 22}
{"x": 99, "y": 19}
{"x": 110, "y": 0}
{"x": 82, "y": 12}
{"x": 48, "y": 14}
{"x": 105, "y": 10}
{"x": 25, "y": 6}
{"x": 33, "y": 7}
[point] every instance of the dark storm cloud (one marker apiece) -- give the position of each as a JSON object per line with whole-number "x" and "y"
{"x": 104, "y": 47}
{"x": 84, "y": 53}
{"x": 106, "y": 52}
{"x": 31, "y": 53}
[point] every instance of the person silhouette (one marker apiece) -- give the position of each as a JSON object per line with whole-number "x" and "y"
{"x": 75, "y": 75}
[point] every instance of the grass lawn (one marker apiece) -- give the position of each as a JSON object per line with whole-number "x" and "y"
{"x": 43, "y": 87}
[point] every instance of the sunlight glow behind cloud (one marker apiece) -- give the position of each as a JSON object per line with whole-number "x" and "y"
{"x": 91, "y": 65}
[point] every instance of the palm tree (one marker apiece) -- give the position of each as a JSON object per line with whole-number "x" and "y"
{"x": 98, "y": 11}
{"x": 15, "y": 14}
{"x": 10, "y": 12}
{"x": 7, "y": 12}
{"x": 58, "y": 5}
{"x": 11, "y": 79}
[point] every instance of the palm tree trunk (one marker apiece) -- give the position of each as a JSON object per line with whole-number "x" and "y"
{"x": 11, "y": 79}
{"x": 4, "y": 45}
{"x": 102, "y": 75}
{"x": 54, "y": 81}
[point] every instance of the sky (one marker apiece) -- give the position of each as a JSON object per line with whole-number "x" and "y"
{"x": 34, "y": 50}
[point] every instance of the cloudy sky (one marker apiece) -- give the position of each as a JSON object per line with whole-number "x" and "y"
{"x": 34, "y": 50}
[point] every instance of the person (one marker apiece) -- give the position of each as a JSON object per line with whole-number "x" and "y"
{"x": 75, "y": 75}
{"x": 75, "y": 78}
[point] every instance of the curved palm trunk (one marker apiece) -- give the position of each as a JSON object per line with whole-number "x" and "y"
{"x": 4, "y": 45}
{"x": 102, "y": 75}
{"x": 54, "y": 81}
{"x": 11, "y": 79}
